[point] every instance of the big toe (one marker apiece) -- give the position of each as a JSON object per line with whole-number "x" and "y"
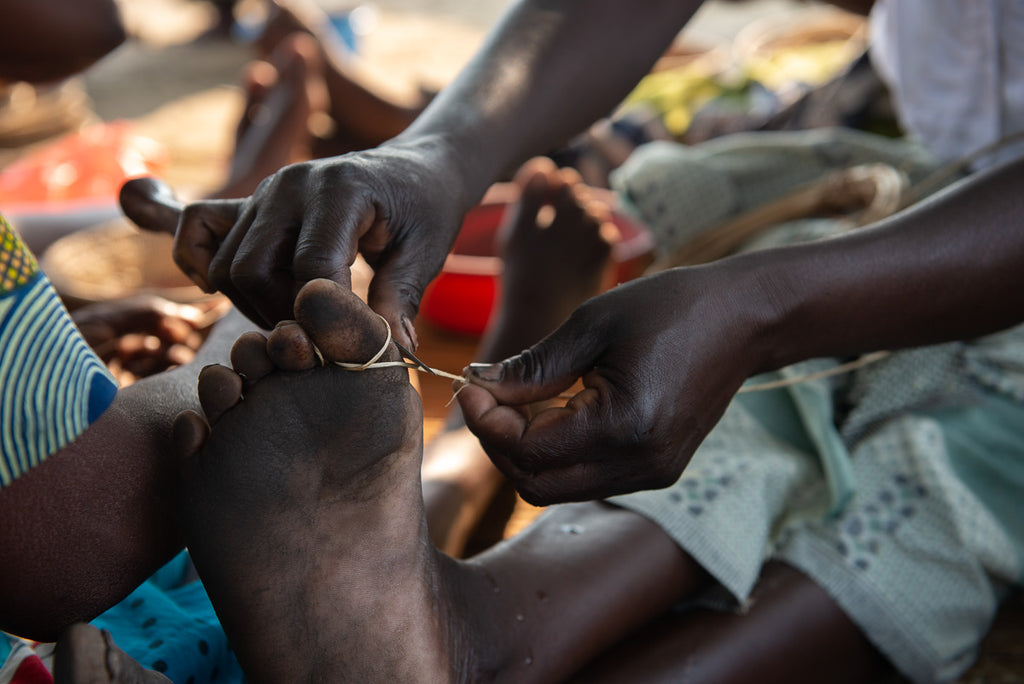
{"x": 189, "y": 434}
{"x": 341, "y": 325}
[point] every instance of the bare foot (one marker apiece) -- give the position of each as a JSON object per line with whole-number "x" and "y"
{"x": 556, "y": 246}
{"x": 303, "y": 510}
{"x": 86, "y": 655}
{"x": 283, "y": 96}
{"x": 287, "y": 17}
{"x": 555, "y": 255}
{"x": 361, "y": 117}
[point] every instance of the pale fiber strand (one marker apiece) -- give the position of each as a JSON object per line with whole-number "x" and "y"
{"x": 776, "y": 384}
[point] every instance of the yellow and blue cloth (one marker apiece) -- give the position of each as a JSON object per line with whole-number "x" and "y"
{"x": 53, "y": 385}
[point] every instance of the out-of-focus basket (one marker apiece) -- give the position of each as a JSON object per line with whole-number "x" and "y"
{"x": 116, "y": 260}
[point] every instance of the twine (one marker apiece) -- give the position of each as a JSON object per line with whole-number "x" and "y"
{"x": 375, "y": 362}
{"x": 424, "y": 368}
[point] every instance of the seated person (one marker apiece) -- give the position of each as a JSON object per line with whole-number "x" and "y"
{"x": 841, "y": 521}
{"x": 348, "y": 523}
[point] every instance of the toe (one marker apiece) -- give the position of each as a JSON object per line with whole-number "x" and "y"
{"x": 220, "y": 388}
{"x": 257, "y": 80}
{"x": 534, "y": 170}
{"x": 289, "y": 348}
{"x": 189, "y": 434}
{"x": 566, "y": 204}
{"x": 341, "y": 325}
{"x": 249, "y": 357}
{"x": 570, "y": 176}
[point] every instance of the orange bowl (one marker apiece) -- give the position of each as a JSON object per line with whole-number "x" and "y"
{"x": 461, "y": 298}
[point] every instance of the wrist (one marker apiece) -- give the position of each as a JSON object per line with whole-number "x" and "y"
{"x": 765, "y": 305}
{"x": 448, "y": 163}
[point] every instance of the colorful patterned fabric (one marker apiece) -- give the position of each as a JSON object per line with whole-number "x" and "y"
{"x": 53, "y": 385}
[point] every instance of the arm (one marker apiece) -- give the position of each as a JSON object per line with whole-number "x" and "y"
{"x": 547, "y": 71}
{"x": 661, "y": 357}
{"x": 46, "y": 40}
{"x": 950, "y": 268}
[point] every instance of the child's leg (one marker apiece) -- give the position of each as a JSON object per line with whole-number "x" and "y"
{"x": 792, "y": 632}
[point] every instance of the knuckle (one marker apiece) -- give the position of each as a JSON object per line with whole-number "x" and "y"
{"x": 220, "y": 271}
{"x": 313, "y": 260}
{"x": 528, "y": 366}
{"x": 192, "y": 214}
{"x": 407, "y": 288}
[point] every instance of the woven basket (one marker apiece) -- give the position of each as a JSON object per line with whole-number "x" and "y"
{"x": 116, "y": 260}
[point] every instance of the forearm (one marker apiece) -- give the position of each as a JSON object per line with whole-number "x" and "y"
{"x": 950, "y": 268}
{"x": 548, "y": 70}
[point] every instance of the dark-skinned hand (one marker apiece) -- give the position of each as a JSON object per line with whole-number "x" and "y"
{"x": 659, "y": 358}
{"x": 398, "y": 205}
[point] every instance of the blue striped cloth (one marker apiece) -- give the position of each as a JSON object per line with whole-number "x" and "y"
{"x": 52, "y": 385}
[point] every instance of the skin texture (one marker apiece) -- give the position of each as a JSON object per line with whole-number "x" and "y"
{"x": 301, "y": 504}
{"x": 106, "y": 500}
{"x": 550, "y": 268}
{"x": 85, "y": 654}
{"x": 538, "y": 79}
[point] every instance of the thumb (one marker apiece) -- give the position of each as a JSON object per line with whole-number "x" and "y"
{"x": 543, "y": 371}
{"x": 397, "y": 288}
{"x": 150, "y": 204}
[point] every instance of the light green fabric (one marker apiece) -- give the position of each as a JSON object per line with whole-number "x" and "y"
{"x": 898, "y": 487}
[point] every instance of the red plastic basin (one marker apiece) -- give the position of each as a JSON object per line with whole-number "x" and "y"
{"x": 460, "y": 299}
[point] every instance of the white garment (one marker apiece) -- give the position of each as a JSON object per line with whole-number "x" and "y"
{"x": 956, "y": 70}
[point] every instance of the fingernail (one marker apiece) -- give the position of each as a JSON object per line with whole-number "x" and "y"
{"x": 410, "y": 332}
{"x": 199, "y": 280}
{"x": 489, "y": 372}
